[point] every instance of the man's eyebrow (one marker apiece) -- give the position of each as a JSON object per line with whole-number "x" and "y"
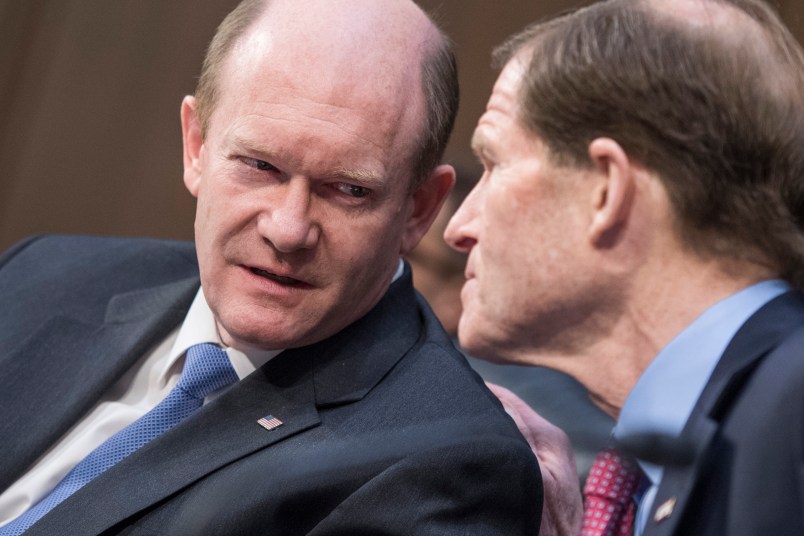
{"x": 361, "y": 176}
{"x": 245, "y": 144}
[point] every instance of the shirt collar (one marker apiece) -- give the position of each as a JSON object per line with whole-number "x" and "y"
{"x": 199, "y": 327}
{"x": 664, "y": 396}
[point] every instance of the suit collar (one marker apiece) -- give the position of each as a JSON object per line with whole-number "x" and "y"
{"x": 172, "y": 299}
{"x": 765, "y": 330}
{"x": 762, "y": 332}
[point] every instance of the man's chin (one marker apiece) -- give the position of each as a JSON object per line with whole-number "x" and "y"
{"x": 473, "y": 344}
{"x": 246, "y": 336}
{"x": 479, "y": 343}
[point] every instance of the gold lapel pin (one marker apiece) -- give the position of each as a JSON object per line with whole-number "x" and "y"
{"x": 270, "y": 423}
{"x": 665, "y": 510}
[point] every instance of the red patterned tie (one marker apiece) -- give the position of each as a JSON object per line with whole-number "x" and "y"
{"x": 609, "y": 509}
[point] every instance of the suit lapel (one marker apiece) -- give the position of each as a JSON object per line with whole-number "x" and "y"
{"x": 221, "y": 432}
{"x": 40, "y": 401}
{"x": 765, "y": 330}
{"x": 341, "y": 369}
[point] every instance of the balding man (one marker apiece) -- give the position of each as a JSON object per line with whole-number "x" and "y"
{"x": 303, "y": 388}
{"x": 639, "y": 226}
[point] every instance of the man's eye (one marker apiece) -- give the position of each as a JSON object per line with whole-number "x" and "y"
{"x": 260, "y": 165}
{"x": 352, "y": 189}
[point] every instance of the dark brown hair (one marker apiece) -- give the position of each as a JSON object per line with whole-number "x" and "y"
{"x": 716, "y": 111}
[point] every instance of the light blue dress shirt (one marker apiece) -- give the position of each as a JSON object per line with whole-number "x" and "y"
{"x": 664, "y": 396}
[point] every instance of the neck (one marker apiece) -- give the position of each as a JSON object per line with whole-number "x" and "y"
{"x": 611, "y": 353}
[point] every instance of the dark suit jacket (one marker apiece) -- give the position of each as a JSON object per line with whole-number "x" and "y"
{"x": 747, "y": 433}
{"x": 386, "y": 429}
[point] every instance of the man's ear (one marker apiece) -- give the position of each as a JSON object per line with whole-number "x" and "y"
{"x": 426, "y": 203}
{"x": 193, "y": 142}
{"x": 613, "y": 194}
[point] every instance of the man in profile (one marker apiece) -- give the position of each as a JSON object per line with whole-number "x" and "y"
{"x": 639, "y": 226}
{"x": 302, "y": 387}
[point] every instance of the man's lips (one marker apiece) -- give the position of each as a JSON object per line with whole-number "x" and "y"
{"x": 281, "y": 279}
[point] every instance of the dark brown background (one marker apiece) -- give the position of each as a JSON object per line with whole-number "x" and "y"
{"x": 90, "y": 93}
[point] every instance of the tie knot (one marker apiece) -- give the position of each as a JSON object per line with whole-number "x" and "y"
{"x": 609, "y": 509}
{"x": 613, "y": 477}
{"x": 206, "y": 369}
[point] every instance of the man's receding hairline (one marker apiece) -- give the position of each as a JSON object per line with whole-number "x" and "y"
{"x": 708, "y": 10}
{"x": 219, "y": 52}
{"x": 721, "y": 21}
{"x": 527, "y": 40}
{"x": 728, "y": 26}
{"x": 725, "y": 30}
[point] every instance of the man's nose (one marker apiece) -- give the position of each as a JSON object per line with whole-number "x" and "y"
{"x": 287, "y": 222}
{"x": 461, "y": 231}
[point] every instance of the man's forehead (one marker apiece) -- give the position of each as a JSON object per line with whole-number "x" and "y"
{"x": 359, "y": 59}
{"x": 505, "y": 94}
{"x": 351, "y": 35}
{"x": 503, "y": 104}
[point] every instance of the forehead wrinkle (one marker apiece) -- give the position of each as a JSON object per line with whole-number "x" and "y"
{"x": 298, "y": 112}
{"x": 351, "y": 132}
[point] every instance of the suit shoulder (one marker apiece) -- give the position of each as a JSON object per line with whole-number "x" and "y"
{"x": 73, "y": 274}
{"x": 90, "y": 254}
{"x": 17, "y": 248}
{"x": 435, "y": 383}
{"x": 452, "y": 482}
{"x": 90, "y": 243}
{"x": 780, "y": 375}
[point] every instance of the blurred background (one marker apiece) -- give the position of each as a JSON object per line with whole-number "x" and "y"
{"x": 90, "y": 140}
{"x": 90, "y": 93}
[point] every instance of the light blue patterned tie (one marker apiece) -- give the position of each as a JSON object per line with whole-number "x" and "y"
{"x": 206, "y": 369}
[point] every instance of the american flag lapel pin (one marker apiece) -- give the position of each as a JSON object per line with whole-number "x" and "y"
{"x": 665, "y": 510}
{"x": 270, "y": 423}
